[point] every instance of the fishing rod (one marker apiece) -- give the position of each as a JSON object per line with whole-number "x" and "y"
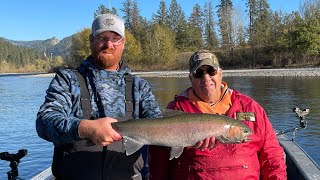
{"x": 303, "y": 123}
{"x": 14, "y": 162}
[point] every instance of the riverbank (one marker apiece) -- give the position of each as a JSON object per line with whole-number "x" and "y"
{"x": 247, "y": 72}
{"x": 227, "y": 73}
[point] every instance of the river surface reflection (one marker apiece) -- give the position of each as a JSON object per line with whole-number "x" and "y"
{"x": 21, "y": 97}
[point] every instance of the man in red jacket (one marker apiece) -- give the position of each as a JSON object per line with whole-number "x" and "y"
{"x": 262, "y": 157}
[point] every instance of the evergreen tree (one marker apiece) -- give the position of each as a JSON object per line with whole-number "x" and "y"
{"x": 178, "y": 24}
{"x": 161, "y": 17}
{"x": 306, "y": 36}
{"x": 279, "y": 31}
{"x": 102, "y": 9}
{"x": 183, "y": 37}
{"x": 259, "y": 26}
{"x": 176, "y": 17}
{"x": 196, "y": 17}
{"x": 133, "y": 21}
{"x": 225, "y": 23}
{"x": 127, "y": 10}
{"x": 195, "y": 27}
{"x": 136, "y": 24}
{"x": 210, "y": 35}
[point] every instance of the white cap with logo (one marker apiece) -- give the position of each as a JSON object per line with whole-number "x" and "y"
{"x": 108, "y": 22}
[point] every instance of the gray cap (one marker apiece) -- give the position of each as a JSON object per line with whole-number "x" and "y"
{"x": 202, "y": 57}
{"x": 107, "y": 22}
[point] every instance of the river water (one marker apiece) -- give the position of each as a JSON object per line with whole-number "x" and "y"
{"x": 22, "y": 95}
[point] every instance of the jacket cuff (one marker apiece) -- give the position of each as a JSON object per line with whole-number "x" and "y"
{"x": 74, "y": 129}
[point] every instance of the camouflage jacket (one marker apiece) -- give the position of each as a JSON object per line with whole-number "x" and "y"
{"x": 59, "y": 116}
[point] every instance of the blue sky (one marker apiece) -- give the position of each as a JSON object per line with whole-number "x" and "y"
{"x": 43, "y": 19}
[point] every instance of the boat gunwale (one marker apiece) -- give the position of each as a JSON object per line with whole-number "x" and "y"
{"x": 303, "y": 162}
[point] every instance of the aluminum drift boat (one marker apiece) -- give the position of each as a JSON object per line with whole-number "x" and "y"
{"x": 299, "y": 164}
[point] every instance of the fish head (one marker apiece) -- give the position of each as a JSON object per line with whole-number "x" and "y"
{"x": 246, "y": 131}
{"x": 237, "y": 134}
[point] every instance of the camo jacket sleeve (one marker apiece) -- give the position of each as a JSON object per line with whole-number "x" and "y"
{"x": 59, "y": 116}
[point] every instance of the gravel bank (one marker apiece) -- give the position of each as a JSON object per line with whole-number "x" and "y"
{"x": 251, "y": 72}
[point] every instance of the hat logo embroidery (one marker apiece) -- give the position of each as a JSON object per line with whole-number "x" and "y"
{"x": 109, "y": 22}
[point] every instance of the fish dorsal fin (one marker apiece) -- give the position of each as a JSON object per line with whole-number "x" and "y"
{"x": 131, "y": 145}
{"x": 171, "y": 112}
{"x": 175, "y": 152}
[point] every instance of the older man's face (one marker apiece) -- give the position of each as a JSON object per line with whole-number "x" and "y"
{"x": 207, "y": 86}
{"x": 106, "y": 49}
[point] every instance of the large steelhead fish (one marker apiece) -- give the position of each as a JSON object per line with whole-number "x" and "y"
{"x": 179, "y": 131}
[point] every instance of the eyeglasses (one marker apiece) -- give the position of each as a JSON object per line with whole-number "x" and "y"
{"x": 114, "y": 40}
{"x": 200, "y": 72}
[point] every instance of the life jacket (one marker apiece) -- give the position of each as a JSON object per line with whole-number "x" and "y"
{"x": 85, "y": 160}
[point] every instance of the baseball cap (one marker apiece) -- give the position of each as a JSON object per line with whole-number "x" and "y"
{"x": 107, "y": 22}
{"x": 202, "y": 57}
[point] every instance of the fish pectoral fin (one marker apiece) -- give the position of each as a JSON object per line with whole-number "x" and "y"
{"x": 131, "y": 145}
{"x": 224, "y": 139}
{"x": 228, "y": 140}
{"x": 175, "y": 152}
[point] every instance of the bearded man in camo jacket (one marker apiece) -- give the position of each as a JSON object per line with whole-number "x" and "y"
{"x": 89, "y": 148}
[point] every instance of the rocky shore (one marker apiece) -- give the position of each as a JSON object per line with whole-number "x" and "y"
{"x": 251, "y": 72}
{"x": 226, "y": 73}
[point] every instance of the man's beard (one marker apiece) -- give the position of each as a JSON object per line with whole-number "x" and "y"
{"x": 103, "y": 60}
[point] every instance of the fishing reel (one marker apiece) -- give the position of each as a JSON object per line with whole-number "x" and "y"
{"x": 14, "y": 162}
{"x": 301, "y": 113}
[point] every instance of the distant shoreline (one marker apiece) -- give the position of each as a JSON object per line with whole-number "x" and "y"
{"x": 248, "y": 72}
{"x": 308, "y": 72}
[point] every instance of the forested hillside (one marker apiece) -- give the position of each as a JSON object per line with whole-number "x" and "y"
{"x": 254, "y": 37}
{"x": 38, "y": 55}
{"x": 16, "y": 56}
{"x": 53, "y": 45}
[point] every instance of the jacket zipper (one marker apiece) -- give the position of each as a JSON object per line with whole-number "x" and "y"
{"x": 222, "y": 168}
